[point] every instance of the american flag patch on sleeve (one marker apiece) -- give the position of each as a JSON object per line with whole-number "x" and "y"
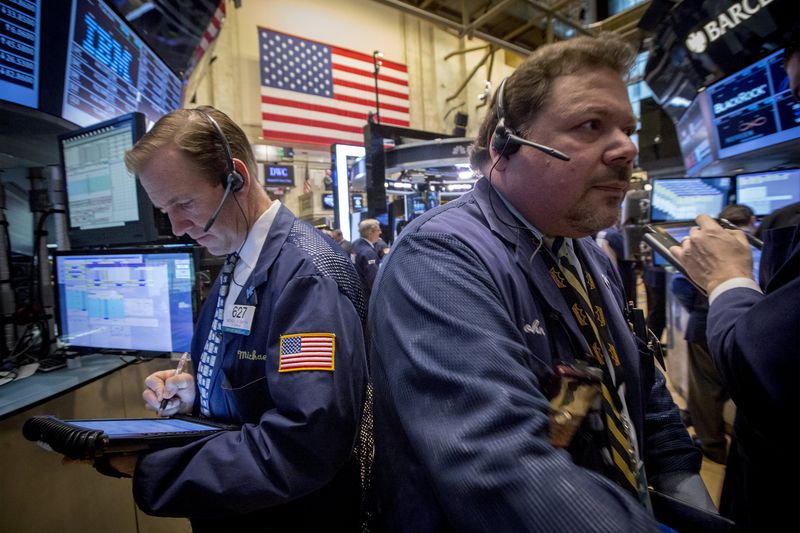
{"x": 307, "y": 351}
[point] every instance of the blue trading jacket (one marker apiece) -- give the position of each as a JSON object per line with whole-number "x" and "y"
{"x": 467, "y": 326}
{"x": 290, "y": 467}
{"x": 755, "y": 341}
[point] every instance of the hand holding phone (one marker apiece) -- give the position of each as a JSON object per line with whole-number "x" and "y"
{"x": 661, "y": 241}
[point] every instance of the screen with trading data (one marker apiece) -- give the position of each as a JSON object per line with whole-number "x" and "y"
{"x": 126, "y": 300}
{"x": 106, "y": 203}
{"x": 111, "y": 71}
{"x": 20, "y": 24}
{"x": 676, "y": 199}
{"x": 765, "y": 192}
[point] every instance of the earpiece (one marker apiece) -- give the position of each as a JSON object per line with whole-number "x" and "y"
{"x": 505, "y": 141}
{"x": 232, "y": 181}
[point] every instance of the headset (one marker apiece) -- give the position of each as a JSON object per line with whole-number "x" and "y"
{"x": 232, "y": 181}
{"x": 505, "y": 141}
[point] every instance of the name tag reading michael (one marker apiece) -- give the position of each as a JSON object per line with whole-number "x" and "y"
{"x": 239, "y": 319}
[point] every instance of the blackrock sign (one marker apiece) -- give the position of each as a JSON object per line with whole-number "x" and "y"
{"x": 737, "y": 13}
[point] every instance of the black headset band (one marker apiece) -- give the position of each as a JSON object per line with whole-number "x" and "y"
{"x": 226, "y": 147}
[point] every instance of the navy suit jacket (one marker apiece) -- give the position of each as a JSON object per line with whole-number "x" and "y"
{"x": 290, "y": 466}
{"x": 471, "y": 325}
{"x": 755, "y": 341}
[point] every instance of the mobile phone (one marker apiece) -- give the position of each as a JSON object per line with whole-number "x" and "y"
{"x": 660, "y": 241}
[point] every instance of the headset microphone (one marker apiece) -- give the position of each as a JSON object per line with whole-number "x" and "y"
{"x": 506, "y": 142}
{"x": 232, "y": 181}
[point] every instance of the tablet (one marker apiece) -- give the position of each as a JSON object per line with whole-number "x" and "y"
{"x": 92, "y": 438}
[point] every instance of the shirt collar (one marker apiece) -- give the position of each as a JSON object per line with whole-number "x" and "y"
{"x": 547, "y": 240}
{"x": 251, "y": 249}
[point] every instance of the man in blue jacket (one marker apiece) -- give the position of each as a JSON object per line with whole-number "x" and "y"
{"x": 278, "y": 350}
{"x": 483, "y": 327}
{"x": 365, "y": 256}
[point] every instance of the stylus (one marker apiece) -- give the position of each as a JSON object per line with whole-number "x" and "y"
{"x": 181, "y": 364}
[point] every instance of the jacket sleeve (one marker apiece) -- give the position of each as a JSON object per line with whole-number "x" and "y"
{"x": 461, "y": 381}
{"x": 754, "y": 339}
{"x": 296, "y": 447}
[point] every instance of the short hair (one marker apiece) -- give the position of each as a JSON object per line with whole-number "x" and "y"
{"x": 527, "y": 90}
{"x": 194, "y": 135}
{"x": 367, "y": 225}
{"x": 738, "y": 214}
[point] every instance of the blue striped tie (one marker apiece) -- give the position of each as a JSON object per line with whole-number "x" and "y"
{"x": 209, "y": 361}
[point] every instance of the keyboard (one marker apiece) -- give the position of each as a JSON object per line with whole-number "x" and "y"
{"x": 48, "y": 364}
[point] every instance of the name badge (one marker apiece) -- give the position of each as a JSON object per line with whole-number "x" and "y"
{"x": 239, "y": 319}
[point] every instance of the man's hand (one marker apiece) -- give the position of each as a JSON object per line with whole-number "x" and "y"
{"x": 179, "y": 389}
{"x": 712, "y": 254}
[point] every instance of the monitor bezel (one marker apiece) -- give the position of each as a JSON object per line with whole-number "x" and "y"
{"x": 193, "y": 251}
{"x": 141, "y": 232}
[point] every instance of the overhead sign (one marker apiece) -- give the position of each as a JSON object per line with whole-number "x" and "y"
{"x": 736, "y": 14}
{"x": 278, "y": 175}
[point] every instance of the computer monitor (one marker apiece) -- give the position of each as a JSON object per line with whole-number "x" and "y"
{"x": 106, "y": 203}
{"x": 357, "y": 200}
{"x": 126, "y": 299}
{"x": 694, "y": 135}
{"x": 110, "y": 70}
{"x": 677, "y": 199}
{"x": 765, "y": 192}
{"x": 20, "y": 42}
{"x": 754, "y": 108}
{"x": 327, "y": 200}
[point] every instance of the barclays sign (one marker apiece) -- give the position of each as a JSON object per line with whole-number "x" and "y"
{"x": 738, "y": 12}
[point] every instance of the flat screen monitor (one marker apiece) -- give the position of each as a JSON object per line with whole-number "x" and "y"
{"x": 694, "y": 135}
{"x": 677, "y": 199}
{"x": 126, "y": 299}
{"x": 110, "y": 70}
{"x": 106, "y": 203}
{"x": 767, "y": 191}
{"x": 754, "y": 108}
{"x": 358, "y": 201}
{"x": 20, "y": 26}
{"x": 327, "y": 200}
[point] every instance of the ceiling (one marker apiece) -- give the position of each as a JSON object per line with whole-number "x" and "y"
{"x": 521, "y": 25}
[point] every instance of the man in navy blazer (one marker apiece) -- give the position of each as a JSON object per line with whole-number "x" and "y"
{"x": 473, "y": 320}
{"x": 754, "y": 337}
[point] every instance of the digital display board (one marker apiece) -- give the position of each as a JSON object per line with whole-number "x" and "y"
{"x": 767, "y": 191}
{"x": 754, "y": 108}
{"x": 111, "y": 71}
{"x": 678, "y": 199}
{"x": 694, "y": 135}
{"x": 278, "y": 175}
{"x": 20, "y": 23}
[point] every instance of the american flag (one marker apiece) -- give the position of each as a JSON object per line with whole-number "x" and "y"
{"x": 209, "y": 36}
{"x": 320, "y": 94}
{"x": 306, "y": 351}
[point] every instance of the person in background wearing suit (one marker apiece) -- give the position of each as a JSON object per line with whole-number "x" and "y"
{"x": 754, "y": 337}
{"x": 510, "y": 392}
{"x": 363, "y": 253}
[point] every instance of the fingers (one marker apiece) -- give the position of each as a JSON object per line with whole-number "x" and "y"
{"x": 706, "y": 222}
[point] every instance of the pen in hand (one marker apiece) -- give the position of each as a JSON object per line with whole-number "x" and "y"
{"x": 181, "y": 365}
